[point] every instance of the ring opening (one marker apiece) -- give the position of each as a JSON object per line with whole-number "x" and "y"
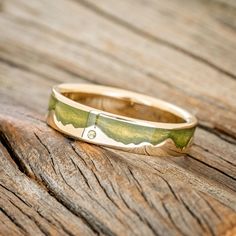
{"x": 124, "y": 106}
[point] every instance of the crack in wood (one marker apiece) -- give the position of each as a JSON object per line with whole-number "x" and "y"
{"x": 215, "y": 168}
{"x": 172, "y": 220}
{"x": 16, "y": 195}
{"x": 142, "y": 192}
{"x": 214, "y": 154}
{"x": 20, "y": 164}
{"x": 14, "y": 221}
{"x": 141, "y": 217}
{"x": 219, "y": 133}
{"x": 212, "y": 208}
{"x": 64, "y": 228}
{"x": 199, "y": 221}
{"x": 93, "y": 225}
{"x": 82, "y": 174}
{"x": 48, "y": 151}
{"x": 45, "y": 232}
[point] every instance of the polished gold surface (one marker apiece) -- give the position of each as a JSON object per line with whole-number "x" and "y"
{"x": 124, "y": 106}
{"x": 120, "y": 119}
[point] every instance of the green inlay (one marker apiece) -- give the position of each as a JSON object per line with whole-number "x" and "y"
{"x": 52, "y": 103}
{"x": 117, "y": 129}
{"x": 70, "y": 115}
{"x": 132, "y": 133}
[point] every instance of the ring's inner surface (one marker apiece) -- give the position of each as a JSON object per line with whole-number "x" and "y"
{"x": 124, "y": 107}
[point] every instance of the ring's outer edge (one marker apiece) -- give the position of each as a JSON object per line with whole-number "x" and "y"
{"x": 107, "y": 129}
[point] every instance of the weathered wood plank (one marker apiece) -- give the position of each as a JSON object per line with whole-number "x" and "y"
{"x": 27, "y": 208}
{"x": 53, "y": 185}
{"x": 115, "y": 193}
{"x": 43, "y": 68}
{"x": 204, "y": 30}
{"x": 207, "y": 157}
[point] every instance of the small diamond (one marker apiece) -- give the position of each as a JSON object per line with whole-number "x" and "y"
{"x": 91, "y": 134}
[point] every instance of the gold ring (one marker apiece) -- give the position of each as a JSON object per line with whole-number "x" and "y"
{"x": 120, "y": 119}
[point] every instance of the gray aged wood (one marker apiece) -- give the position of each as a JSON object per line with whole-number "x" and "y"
{"x": 181, "y": 51}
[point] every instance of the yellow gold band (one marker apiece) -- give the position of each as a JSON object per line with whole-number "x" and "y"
{"x": 120, "y": 119}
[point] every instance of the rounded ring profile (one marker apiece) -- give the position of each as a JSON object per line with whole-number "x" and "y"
{"x": 120, "y": 119}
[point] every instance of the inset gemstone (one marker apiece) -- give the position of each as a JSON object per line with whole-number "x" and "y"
{"x": 91, "y": 134}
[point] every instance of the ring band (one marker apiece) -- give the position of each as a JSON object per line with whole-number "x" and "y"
{"x": 120, "y": 119}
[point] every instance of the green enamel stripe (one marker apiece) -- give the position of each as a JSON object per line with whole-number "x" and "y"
{"x": 52, "y": 103}
{"x": 131, "y": 133}
{"x": 67, "y": 114}
{"x": 117, "y": 129}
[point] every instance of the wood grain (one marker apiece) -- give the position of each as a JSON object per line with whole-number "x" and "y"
{"x": 180, "y": 51}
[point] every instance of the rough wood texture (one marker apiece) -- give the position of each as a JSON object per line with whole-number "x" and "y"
{"x": 181, "y": 51}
